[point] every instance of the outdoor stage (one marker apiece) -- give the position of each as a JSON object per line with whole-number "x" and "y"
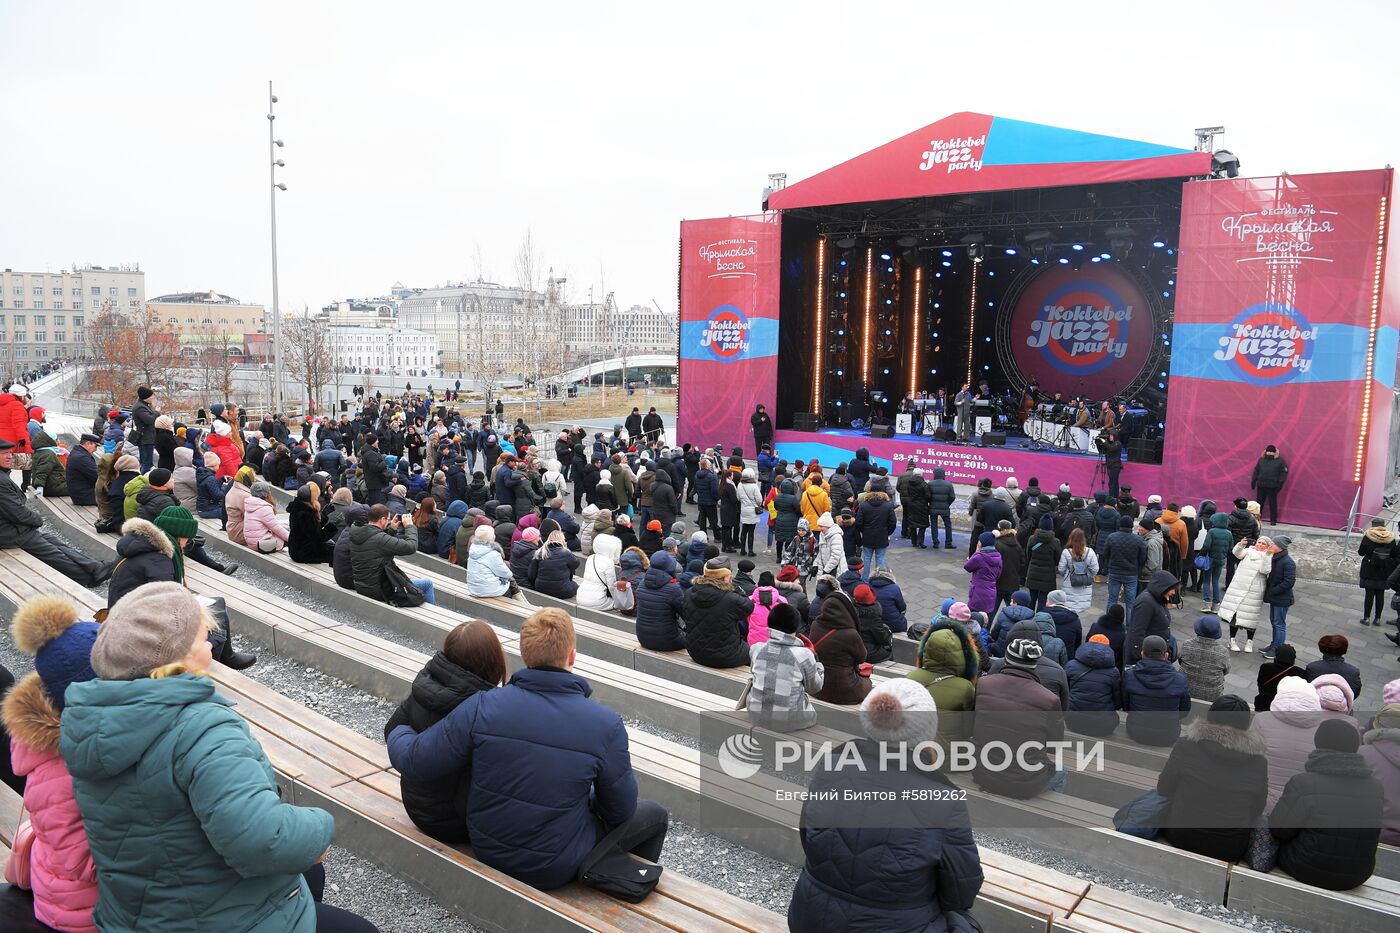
{"x": 1224, "y": 314}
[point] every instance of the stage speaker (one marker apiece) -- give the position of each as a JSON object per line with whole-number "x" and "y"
{"x": 882, "y": 430}
{"x": 945, "y": 434}
{"x": 805, "y": 421}
{"x": 994, "y": 439}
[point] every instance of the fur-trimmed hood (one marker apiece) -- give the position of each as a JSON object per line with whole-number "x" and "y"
{"x": 1242, "y": 742}
{"x": 149, "y": 533}
{"x": 41, "y": 620}
{"x": 30, "y": 716}
{"x": 718, "y": 582}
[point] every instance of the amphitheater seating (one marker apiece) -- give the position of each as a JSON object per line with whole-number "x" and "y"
{"x": 1018, "y": 905}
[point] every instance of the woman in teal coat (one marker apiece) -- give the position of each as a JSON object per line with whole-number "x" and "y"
{"x": 186, "y": 827}
{"x": 1217, "y": 546}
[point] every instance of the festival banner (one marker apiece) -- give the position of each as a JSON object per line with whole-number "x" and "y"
{"x": 1278, "y": 339}
{"x": 1086, "y": 333}
{"x": 728, "y": 361}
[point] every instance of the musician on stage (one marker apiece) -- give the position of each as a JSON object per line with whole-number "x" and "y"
{"x": 939, "y": 405}
{"x": 1107, "y": 419}
{"x": 963, "y": 402}
{"x": 1081, "y": 425}
{"x": 984, "y": 389}
{"x": 1026, "y": 406}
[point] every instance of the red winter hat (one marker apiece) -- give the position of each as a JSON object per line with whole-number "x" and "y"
{"x": 654, "y": 525}
{"x": 787, "y": 574}
{"x": 864, "y": 595}
{"x": 37, "y": 414}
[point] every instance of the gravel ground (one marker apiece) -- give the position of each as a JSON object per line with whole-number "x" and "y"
{"x": 360, "y": 886}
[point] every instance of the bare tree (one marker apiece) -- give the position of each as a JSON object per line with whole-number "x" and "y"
{"x": 307, "y": 354}
{"x": 127, "y": 350}
{"x": 214, "y": 362}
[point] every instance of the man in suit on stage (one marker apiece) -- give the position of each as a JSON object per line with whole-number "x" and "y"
{"x": 963, "y": 401}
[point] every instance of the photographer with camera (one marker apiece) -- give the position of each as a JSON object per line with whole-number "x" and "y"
{"x": 373, "y": 547}
{"x": 1112, "y": 450}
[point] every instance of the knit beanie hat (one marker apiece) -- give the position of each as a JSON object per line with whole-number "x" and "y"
{"x": 143, "y": 393}
{"x": 787, "y": 574}
{"x": 717, "y": 568}
{"x": 1023, "y": 652}
{"x": 746, "y": 566}
{"x": 1252, "y": 508}
{"x": 1188, "y": 511}
{"x": 947, "y": 605}
{"x": 804, "y": 525}
{"x": 1333, "y": 644}
{"x": 1390, "y": 693}
{"x": 765, "y": 579}
{"x": 177, "y": 522}
{"x": 1057, "y": 597}
{"x": 1295, "y": 695}
{"x": 959, "y": 612}
{"x": 159, "y": 477}
{"x": 678, "y": 529}
{"x": 48, "y": 628}
{"x": 530, "y": 535}
{"x": 654, "y": 525}
{"x": 1229, "y": 710}
{"x": 899, "y": 710}
{"x": 1285, "y": 655}
{"x": 211, "y": 459}
{"x": 864, "y": 595}
{"x": 784, "y": 618}
{"x": 1334, "y": 693}
{"x": 150, "y": 627}
{"x": 825, "y": 520}
{"x": 1022, "y": 598}
{"x": 1099, "y": 639}
{"x": 1154, "y": 500}
{"x": 699, "y": 537}
{"x": 126, "y": 462}
{"x": 1047, "y": 522}
{"x": 1125, "y": 523}
{"x": 987, "y": 539}
{"x": 1338, "y": 735}
{"x": 223, "y": 428}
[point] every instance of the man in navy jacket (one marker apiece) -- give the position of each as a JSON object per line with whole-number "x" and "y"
{"x": 550, "y": 771}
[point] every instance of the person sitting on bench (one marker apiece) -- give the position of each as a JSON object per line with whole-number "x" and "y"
{"x": 19, "y": 527}
{"x": 540, "y": 831}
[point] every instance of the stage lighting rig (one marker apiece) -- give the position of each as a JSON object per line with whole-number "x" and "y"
{"x": 1120, "y": 240}
{"x": 976, "y": 246}
{"x": 846, "y": 242}
{"x": 1224, "y": 164}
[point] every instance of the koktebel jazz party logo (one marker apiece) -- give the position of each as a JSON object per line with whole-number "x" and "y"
{"x": 1268, "y": 344}
{"x": 959, "y": 154}
{"x": 726, "y": 333}
{"x": 1086, "y": 332}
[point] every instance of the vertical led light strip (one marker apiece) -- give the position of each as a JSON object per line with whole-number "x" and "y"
{"x": 972, "y": 321}
{"x": 914, "y": 334}
{"x": 1371, "y": 345}
{"x": 865, "y": 328}
{"x": 819, "y": 322}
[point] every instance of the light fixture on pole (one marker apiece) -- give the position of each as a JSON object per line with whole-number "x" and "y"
{"x": 274, "y": 163}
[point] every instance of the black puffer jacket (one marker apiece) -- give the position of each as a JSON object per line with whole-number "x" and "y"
{"x": 875, "y": 520}
{"x": 371, "y": 549}
{"x": 916, "y": 502}
{"x": 352, "y": 515}
{"x": 437, "y": 807}
{"x": 918, "y": 872}
{"x": 1150, "y": 615}
{"x": 147, "y": 556}
{"x": 306, "y": 538}
{"x": 1243, "y": 526}
{"x": 150, "y": 502}
{"x": 1042, "y": 561}
{"x": 942, "y": 494}
{"x": 1217, "y": 780}
{"x": 716, "y": 623}
{"x": 659, "y": 607}
{"x": 552, "y": 573}
{"x": 1328, "y": 821}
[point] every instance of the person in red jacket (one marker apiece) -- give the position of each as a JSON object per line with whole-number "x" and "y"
{"x": 14, "y": 418}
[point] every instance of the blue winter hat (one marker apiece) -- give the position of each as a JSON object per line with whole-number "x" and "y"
{"x": 987, "y": 539}
{"x": 947, "y": 604}
{"x": 1125, "y": 523}
{"x": 1022, "y": 598}
{"x": 48, "y": 628}
{"x": 391, "y": 461}
{"x": 1047, "y": 522}
{"x": 1208, "y": 627}
{"x": 663, "y": 561}
{"x": 217, "y": 408}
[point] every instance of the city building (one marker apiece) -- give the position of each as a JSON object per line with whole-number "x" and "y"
{"x": 365, "y": 349}
{"x": 361, "y": 312}
{"x": 592, "y": 328}
{"x": 478, "y": 325}
{"x": 42, "y": 314}
{"x": 209, "y": 321}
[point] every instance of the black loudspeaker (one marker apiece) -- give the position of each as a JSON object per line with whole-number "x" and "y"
{"x": 994, "y": 439}
{"x": 1143, "y": 450}
{"x": 945, "y": 434}
{"x": 882, "y": 430}
{"x": 805, "y": 421}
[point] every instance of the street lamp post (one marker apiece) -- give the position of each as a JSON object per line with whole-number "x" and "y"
{"x": 274, "y": 163}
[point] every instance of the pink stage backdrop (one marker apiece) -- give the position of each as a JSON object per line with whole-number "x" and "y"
{"x": 1276, "y": 311}
{"x": 728, "y": 360}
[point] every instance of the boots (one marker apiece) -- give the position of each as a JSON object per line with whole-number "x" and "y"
{"x": 238, "y": 660}
{"x": 1234, "y": 646}
{"x": 1249, "y": 644}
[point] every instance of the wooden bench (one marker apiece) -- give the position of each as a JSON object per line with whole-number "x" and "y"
{"x": 1372, "y": 908}
{"x": 321, "y": 763}
{"x": 1020, "y": 903}
{"x": 1051, "y": 819}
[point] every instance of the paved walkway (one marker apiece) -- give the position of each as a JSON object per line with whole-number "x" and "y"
{"x": 927, "y": 577}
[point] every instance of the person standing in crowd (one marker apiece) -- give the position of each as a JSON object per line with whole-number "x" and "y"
{"x": 1270, "y": 473}
{"x": 1078, "y": 567}
{"x": 157, "y": 758}
{"x": 471, "y": 661}
{"x": 915, "y": 502}
{"x": 541, "y": 722}
{"x": 1244, "y": 528}
{"x": 20, "y": 527}
{"x": 1243, "y": 606}
{"x": 1150, "y": 615}
{"x": 875, "y": 522}
{"x": 729, "y": 508}
{"x": 847, "y": 882}
{"x": 143, "y": 427}
{"x": 1042, "y": 561}
{"x": 1379, "y": 558}
{"x": 1278, "y": 592}
{"x": 1125, "y": 555}
{"x": 750, "y": 510}
{"x": 1328, "y": 820}
{"x": 1112, "y": 449}
{"x": 762, "y": 428}
{"x": 14, "y": 421}
{"x": 942, "y": 495}
{"x": 1218, "y": 545}
{"x": 1216, "y": 782}
{"x": 985, "y": 567}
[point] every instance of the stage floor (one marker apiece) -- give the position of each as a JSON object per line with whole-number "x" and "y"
{"x": 1013, "y": 442}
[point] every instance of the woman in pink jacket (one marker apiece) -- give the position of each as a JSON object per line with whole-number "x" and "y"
{"x": 765, "y": 596}
{"x": 61, "y": 872}
{"x": 261, "y": 529}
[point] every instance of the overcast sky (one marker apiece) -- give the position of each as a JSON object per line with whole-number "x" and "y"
{"x": 419, "y": 136}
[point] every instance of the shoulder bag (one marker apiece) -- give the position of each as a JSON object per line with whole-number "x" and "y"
{"x": 399, "y": 589}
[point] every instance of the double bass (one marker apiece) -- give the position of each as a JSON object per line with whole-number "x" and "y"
{"x": 1027, "y": 404}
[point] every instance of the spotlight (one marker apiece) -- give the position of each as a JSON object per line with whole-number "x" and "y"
{"x": 1120, "y": 239}
{"x": 1105, "y": 256}
{"x": 885, "y": 257}
{"x": 1224, "y": 164}
{"x": 1035, "y": 262}
{"x": 1010, "y": 251}
{"x": 947, "y": 254}
{"x": 1159, "y": 243}
{"x": 947, "y": 264}
{"x": 846, "y": 242}
{"x": 976, "y": 252}
{"x": 1077, "y": 247}
{"x": 907, "y": 242}
{"x": 1096, "y": 259}
{"x": 1064, "y": 260}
